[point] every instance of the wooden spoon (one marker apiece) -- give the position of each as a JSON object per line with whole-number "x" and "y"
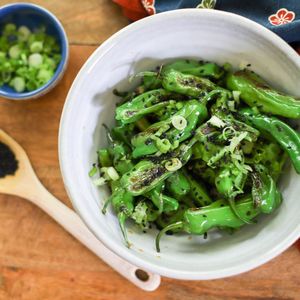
{"x": 24, "y": 183}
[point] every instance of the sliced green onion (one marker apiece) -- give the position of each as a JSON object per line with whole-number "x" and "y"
{"x": 163, "y": 145}
{"x": 44, "y": 75}
{"x": 217, "y": 122}
{"x": 231, "y": 105}
{"x": 14, "y": 51}
{"x": 93, "y": 171}
{"x": 236, "y": 96}
{"x": 100, "y": 181}
{"x": 35, "y": 60}
{"x": 112, "y": 173}
{"x": 18, "y": 84}
{"x": 36, "y": 47}
{"x": 179, "y": 122}
{"x": 235, "y": 141}
{"x": 9, "y": 28}
{"x": 24, "y": 33}
{"x": 173, "y": 165}
{"x": 24, "y": 58}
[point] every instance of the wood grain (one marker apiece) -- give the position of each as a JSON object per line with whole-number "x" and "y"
{"x": 40, "y": 261}
{"x": 86, "y": 22}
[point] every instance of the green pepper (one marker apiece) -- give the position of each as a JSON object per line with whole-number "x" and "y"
{"x": 201, "y": 170}
{"x": 163, "y": 137}
{"x": 142, "y": 105}
{"x": 196, "y": 68}
{"x": 265, "y": 193}
{"x": 200, "y": 220}
{"x": 104, "y": 157}
{"x": 270, "y": 155}
{"x": 257, "y": 93}
{"x": 151, "y": 81}
{"x": 147, "y": 174}
{"x": 163, "y": 202}
{"x": 230, "y": 182}
{"x": 123, "y": 133}
{"x": 174, "y": 81}
{"x": 122, "y": 203}
{"x": 119, "y": 151}
{"x": 170, "y": 218}
{"x": 169, "y": 110}
{"x": 178, "y": 185}
{"x": 198, "y": 192}
{"x": 283, "y": 134}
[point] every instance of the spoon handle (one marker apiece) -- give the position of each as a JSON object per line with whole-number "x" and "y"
{"x": 68, "y": 219}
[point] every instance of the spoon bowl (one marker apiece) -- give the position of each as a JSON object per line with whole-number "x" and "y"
{"x": 24, "y": 183}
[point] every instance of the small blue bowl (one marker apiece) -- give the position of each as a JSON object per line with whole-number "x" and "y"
{"x": 34, "y": 16}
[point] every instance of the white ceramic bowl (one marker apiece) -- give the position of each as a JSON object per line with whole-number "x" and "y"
{"x": 204, "y": 34}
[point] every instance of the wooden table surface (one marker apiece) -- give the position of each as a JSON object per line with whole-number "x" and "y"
{"x": 38, "y": 259}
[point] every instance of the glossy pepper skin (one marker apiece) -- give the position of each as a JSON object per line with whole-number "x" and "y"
{"x": 178, "y": 185}
{"x": 283, "y": 134}
{"x": 104, "y": 157}
{"x": 163, "y": 137}
{"x": 123, "y": 133}
{"x": 200, "y": 169}
{"x": 198, "y": 192}
{"x": 142, "y": 105}
{"x": 265, "y": 193}
{"x": 190, "y": 85}
{"x": 200, "y": 220}
{"x": 230, "y": 182}
{"x": 163, "y": 202}
{"x": 119, "y": 152}
{"x": 122, "y": 203}
{"x": 166, "y": 219}
{"x": 257, "y": 93}
{"x": 270, "y": 155}
{"x": 196, "y": 68}
{"x": 147, "y": 174}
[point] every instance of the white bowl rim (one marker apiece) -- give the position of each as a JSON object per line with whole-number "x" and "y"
{"x": 79, "y": 205}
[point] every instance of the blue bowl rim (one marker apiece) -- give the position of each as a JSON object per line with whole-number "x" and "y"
{"x": 62, "y": 65}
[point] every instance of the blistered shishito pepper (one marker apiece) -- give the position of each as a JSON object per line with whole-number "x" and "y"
{"x": 200, "y": 220}
{"x": 163, "y": 136}
{"x": 194, "y": 67}
{"x": 270, "y": 155}
{"x": 200, "y": 169}
{"x": 190, "y": 85}
{"x": 119, "y": 153}
{"x": 147, "y": 174}
{"x": 257, "y": 93}
{"x": 283, "y": 134}
{"x": 230, "y": 182}
{"x": 142, "y": 105}
{"x": 169, "y": 218}
{"x": 122, "y": 202}
{"x": 265, "y": 193}
{"x": 198, "y": 192}
{"x": 123, "y": 133}
{"x": 169, "y": 110}
{"x": 163, "y": 202}
{"x": 104, "y": 157}
{"x": 178, "y": 185}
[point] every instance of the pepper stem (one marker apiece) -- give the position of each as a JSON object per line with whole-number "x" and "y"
{"x": 107, "y": 202}
{"x": 122, "y": 218}
{"x": 237, "y": 213}
{"x": 208, "y": 97}
{"x": 108, "y": 134}
{"x": 173, "y": 226}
